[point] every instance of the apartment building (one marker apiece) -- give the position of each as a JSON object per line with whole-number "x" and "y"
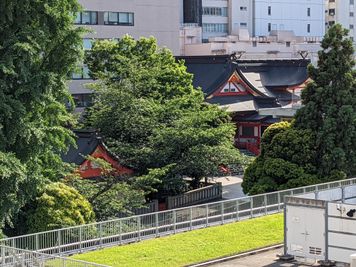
{"x": 109, "y": 19}
{"x": 343, "y": 12}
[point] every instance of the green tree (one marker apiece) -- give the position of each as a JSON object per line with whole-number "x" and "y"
{"x": 112, "y": 194}
{"x": 288, "y": 159}
{"x": 13, "y": 189}
{"x": 59, "y": 206}
{"x": 330, "y": 104}
{"x": 39, "y": 46}
{"x": 320, "y": 145}
{"x": 153, "y": 118}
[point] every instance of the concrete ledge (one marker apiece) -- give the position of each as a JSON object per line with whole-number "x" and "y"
{"x": 241, "y": 255}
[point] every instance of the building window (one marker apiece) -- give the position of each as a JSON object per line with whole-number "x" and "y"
{"x": 248, "y": 131}
{"x": 331, "y": 23}
{"x": 351, "y": 2}
{"x": 287, "y": 44}
{"x": 82, "y": 100}
{"x": 215, "y": 11}
{"x": 308, "y": 12}
{"x": 87, "y": 17}
{"x": 119, "y": 18}
{"x": 243, "y": 24}
{"x": 308, "y": 28}
{"x": 81, "y": 73}
{"x": 351, "y": 14}
{"x": 269, "y": 27}
{"x": 254, "y": 43}
{"x": 243, "y": 8}
{"x": 269, "y": 10}
{"x": 351, "y": 26}
{"x": 215, "y": 27}
{"x": 332, "y": 12}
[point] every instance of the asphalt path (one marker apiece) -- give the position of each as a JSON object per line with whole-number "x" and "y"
{"x": 231, "y": 186}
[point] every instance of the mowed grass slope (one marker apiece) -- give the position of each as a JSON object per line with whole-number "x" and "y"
{"x": 195, "y": 246}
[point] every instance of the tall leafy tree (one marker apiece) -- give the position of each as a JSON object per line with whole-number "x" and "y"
{"x": 39, "y": 46}
{"x": 320, "y": 145}
{"x": 330, "y": 104}
{"x": 153, "y": 117}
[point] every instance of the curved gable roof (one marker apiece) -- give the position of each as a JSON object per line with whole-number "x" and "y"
{"x": 87, "y": 142}
{"x": 211, "y": 72}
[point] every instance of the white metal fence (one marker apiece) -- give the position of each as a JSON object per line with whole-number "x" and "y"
{"x": 125, "y": 230}
{"x": 10, "y": 257}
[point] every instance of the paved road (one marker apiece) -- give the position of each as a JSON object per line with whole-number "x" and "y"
{"x": 265, "y": 259}
{"x": 231, "y": 186}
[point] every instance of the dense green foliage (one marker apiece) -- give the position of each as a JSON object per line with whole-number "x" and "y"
{"x": 112, "y": 195}
{"x": 13, "y": 189}
{"x": 39, "y": 46}
{"x": 189, "y": 248}
{"x": 153, "y": 118}
{"x": 320, "y": 145}
{"x": 59, "y": 206}
{"x": 330, "y": 104}
{"x": 287, "y": 160}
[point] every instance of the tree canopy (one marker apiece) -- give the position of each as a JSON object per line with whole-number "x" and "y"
{"x": 112, "y": 195}
{"x": 330, "y": 104}
{"x": 151, "y": 115}
{"x": 320, "y": 144}
{"x": 59, "y": 206}
{"x": 39, "y": 47}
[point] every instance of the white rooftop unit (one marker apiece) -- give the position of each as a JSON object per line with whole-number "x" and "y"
{"x": 322, "y": 227}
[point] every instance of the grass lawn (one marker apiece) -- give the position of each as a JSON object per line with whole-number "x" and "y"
{"x": 195, "y": 246}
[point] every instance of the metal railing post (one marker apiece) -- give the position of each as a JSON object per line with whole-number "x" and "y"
{"x": 251, "y": 203}
{"x": 80, "y": 238}
{"x": 237, "y": 210}
{"x": 139, "y": 227}
{"x": 157, "y": 229}
{"x": 279, "y": 202}
{"x": 101, "y": 234}
{"x": 59, "y": 236}
{"x": 120, "y": 231}
{"x": 2, "y": 255}
{"x": 37, "y": 242}
{"x": 207, "y": 214}
{"x": 222, "y": 212}
{"x": 174, "y": 221}
{"x": 191, "y": 218}
{"x": 265, "y": 201}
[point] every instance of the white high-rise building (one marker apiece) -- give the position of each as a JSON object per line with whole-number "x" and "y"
{"x": 260, "y": 17}
{"x": 303, "y": 17}
{"x": 343, "y": 12}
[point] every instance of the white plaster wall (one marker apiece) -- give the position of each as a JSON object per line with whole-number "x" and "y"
{"x": 290, "y": 15}
{"x": 237, "y": 15}
{"x": 342, "y": 15}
